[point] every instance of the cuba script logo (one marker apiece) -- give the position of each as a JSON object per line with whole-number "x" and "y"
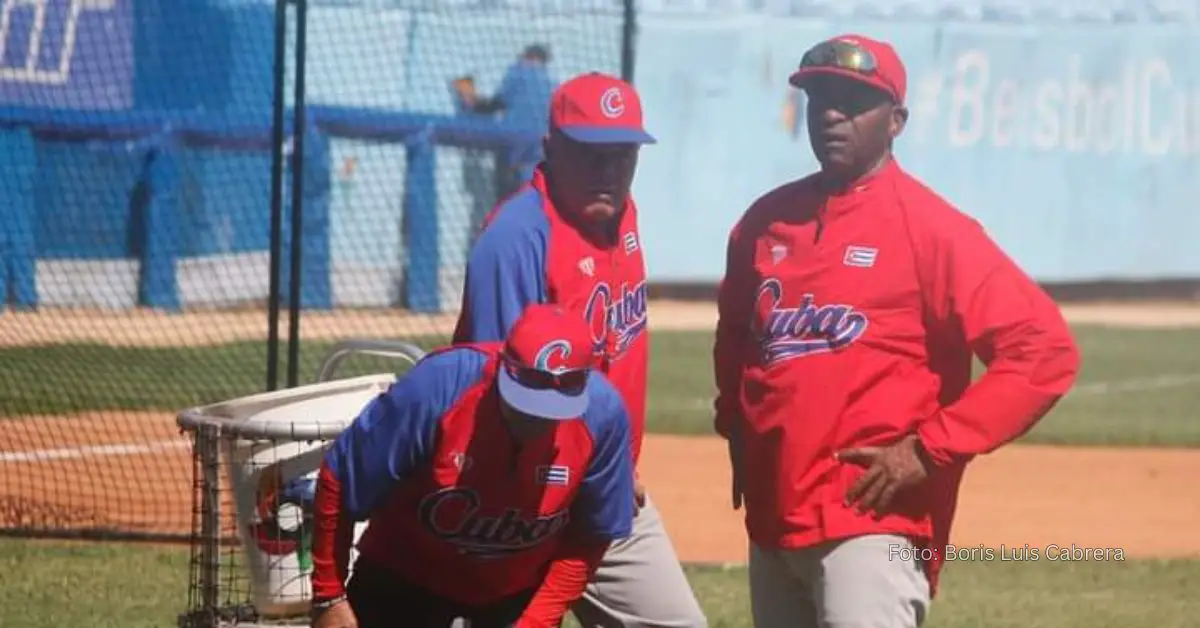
{"x": 553, "y": 356}
{"x": 808, "y": 329}
{"x": 622, "y": 314}
{"x": 452, "y": 515}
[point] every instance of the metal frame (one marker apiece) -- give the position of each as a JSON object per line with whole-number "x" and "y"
{"x": 210, "y": 430}
{"x": 383, "y": 348}
{"x": 191, "y": 419}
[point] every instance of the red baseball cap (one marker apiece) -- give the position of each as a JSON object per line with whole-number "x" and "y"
{"x": 545, "y": 364}
{"x": 856, "y": 57}
{"x": 596, "y": 108}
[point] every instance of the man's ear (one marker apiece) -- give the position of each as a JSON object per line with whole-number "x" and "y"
{"x": 899, "y": 120}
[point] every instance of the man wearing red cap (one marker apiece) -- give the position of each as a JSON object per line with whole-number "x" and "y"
{"x": 570, "y": 237}
{"x": 494, "y": 477}
{"x": 852, "y": 303}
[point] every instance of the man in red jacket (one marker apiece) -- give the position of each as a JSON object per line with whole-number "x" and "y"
{"x": 570, "y": 236}
{"x": 852, "y": 303}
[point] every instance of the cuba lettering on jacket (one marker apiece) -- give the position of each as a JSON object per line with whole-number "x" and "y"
{"x": 850, "y": 319}
{"x": 455, "y": 505}
{"x": 529, "y": 253}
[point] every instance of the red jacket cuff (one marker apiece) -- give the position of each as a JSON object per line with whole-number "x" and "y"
{"x": 564, "y": 583}
{"x": 935, "y": 441}
{"x": 332, "y": 537}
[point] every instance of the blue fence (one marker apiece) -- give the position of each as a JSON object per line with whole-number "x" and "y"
{"x": 157, "y": 204}
{"x": 1074, "y": 144}
{"x": 1071, "y": 136}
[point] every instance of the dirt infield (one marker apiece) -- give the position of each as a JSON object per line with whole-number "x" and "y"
{"x": 118, "y": 470}
{"x": 1140, "y": 500}
{"x": 150, "y": 328}
{"x": 146, "y": 328}
{"x": 125, "y": 469}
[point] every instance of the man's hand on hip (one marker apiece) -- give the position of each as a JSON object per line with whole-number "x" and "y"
{"x": 890, "y": 470}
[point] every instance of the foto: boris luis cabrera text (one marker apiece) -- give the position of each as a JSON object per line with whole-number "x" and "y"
{"x": 1005, "y": 553}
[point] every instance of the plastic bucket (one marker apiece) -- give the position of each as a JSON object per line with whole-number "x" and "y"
{"x": 274, "y": 482}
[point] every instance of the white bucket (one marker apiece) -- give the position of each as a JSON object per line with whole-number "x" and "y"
{"x": 274, "y": 484}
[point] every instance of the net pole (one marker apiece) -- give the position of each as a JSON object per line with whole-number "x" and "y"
{"x": 208, "y": 448}
{"x": 300, "y": 123}
{"x": 628, "y": 39}
{"x": 276, "y": 236}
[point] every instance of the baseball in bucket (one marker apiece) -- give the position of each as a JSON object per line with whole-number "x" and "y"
{"x": 274, "y": 484}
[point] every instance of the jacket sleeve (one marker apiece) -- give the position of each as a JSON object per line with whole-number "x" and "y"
{"x": 604, "y": 507}
{"x": 389, "y": 440}
{"x": 506, "y": 272}
{"x": 735, "y": 307}
{"x": 567, "y": 577}
{"x": 603, "y": 511}
{"x": 1015, "y": 329}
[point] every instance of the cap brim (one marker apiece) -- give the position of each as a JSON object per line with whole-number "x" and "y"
{"x": 798, "y": 78}
{"x": 607, "y": 135}
{"x": 546, "y": 404}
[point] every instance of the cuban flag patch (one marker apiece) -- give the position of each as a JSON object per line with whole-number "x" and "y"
{"x": 861, "y": 256}
{"x": 553, "y": 475}
{"x": 631, "y": 243}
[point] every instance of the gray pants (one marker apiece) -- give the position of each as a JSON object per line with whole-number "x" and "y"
{"x": 640, "y": 583}
{"x": 862, "y": 582}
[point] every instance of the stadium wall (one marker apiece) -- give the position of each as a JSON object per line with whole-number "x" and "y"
{"x": 1074, "y": 149}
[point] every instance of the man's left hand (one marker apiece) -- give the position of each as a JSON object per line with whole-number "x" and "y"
{"x": 639, "y": 493}
{"x": 890, "y": 470}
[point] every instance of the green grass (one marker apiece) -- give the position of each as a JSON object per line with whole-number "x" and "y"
{"x": 58, "y": 585}
{"x": 1131, "y": 594}
{"x": 100, "y": 377}
{"x": 93, "y": 585}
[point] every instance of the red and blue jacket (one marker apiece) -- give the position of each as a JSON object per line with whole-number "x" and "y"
{"x": 460, "y": 508}
{"x": 529, "y": 252}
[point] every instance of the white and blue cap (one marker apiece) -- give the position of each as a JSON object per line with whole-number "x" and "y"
{"x": 545, "y": 364}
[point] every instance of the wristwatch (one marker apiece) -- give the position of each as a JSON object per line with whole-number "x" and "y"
{"x": 320, "y": 606}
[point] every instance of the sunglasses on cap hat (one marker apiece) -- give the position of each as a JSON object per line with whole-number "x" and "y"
{"x": 571, "y": 382}
{"x": 843, "y": 55}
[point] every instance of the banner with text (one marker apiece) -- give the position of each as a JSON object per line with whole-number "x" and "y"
{"x": 74, "y": 54}
{"x": 1076, "y": 146}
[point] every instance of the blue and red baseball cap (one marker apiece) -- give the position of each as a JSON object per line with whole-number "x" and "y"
{"x": 597, "y": 108}
{"x": 545, "y": 363}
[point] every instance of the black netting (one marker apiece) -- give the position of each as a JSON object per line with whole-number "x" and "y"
{"x": 136, "y": 204}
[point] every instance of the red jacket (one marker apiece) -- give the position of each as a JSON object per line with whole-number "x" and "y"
{"x": 460, "y": 509}
{"x": 849, "y": 319}
{"x": 528, "y": 252}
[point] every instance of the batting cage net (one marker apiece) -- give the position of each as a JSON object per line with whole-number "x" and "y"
{"x": 136, "y": 196}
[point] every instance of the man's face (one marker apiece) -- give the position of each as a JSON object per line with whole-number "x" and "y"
{"x": 593, "y": 180}
{"x": 524, "y": 427}
{"x": 850, "y": 124}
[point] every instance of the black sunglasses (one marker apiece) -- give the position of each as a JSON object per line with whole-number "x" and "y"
{"x": 571, "y": 382}
{"x": 842, "y": 55}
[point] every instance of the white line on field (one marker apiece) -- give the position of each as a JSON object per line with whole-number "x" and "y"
{"x": 1135, "y": 384}
{"x": 43, "y": 455}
